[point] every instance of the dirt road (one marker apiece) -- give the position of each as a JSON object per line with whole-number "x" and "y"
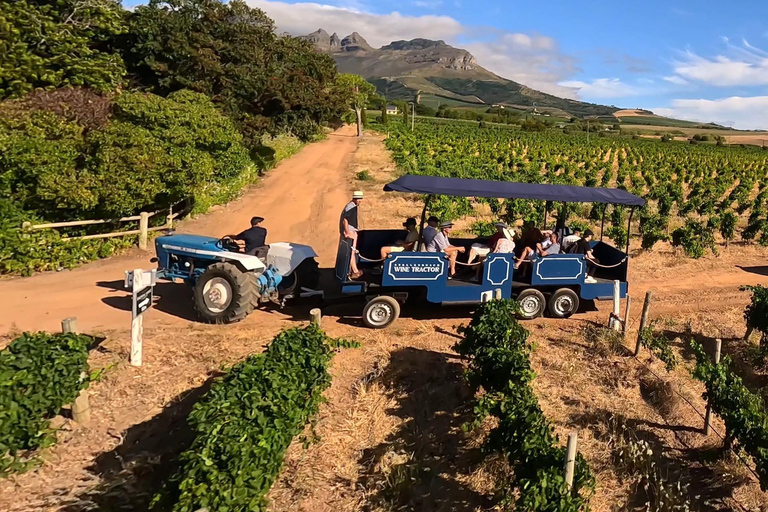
{"x": 300, "y": 200}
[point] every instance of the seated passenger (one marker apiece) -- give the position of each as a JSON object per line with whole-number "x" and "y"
{"x": 583, "y": 247}
{"x": 441, "y": 243}
{"x": 429, "y": 234}
{"x": 483, "y": 250}
{"x": 546, "y": 247}
{"x": 504, "y": 245}
{"x": 403, "y": 245}
{"x": 569, "y": 240}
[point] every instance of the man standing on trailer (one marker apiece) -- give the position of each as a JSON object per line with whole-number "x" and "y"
{"x": 348, "y": 230}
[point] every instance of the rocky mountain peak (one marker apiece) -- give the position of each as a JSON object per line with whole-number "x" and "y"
{"x": 415, "y": 44}
{"x": 355, "y": 42}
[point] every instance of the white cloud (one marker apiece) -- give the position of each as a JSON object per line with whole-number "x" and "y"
{"x": 428, "y": 4}
{"x": 743, "y": 65}
{"x": 530, "y": 59}
{"x": 744, "y": 113}
{"x": 677, "y": 80}
{"x": 600, "y": 88}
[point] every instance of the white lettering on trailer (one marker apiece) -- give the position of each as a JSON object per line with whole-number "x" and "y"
{"x": 417, "y": 268}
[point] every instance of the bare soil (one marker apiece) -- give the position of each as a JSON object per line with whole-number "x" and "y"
{"x": 390, "y": 435}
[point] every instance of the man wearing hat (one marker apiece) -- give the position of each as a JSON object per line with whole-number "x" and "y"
{"x": 255, "y": 238}
{"x": 403, "y": 245}
{"x": 348, "y": 230}
{"x": 442, "y": 244}
{"x": 483, "y": 250}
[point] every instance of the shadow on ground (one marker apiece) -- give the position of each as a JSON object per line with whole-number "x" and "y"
{"x": 133, "y": 473}
{"x": 426, "y": 463}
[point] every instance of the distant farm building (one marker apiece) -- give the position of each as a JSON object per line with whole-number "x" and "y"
{"x": 392, "y": 110}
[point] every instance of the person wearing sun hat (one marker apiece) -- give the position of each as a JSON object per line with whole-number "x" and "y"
{"x": 442, "y": 244}
{"x": 504, "y": 245}
{"x": 348, "y": 230}
{"x": 483, "y": 250}
{"x": 403, "y": 245}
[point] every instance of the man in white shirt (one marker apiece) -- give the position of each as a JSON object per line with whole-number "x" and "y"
{"x": 569, "y": 240}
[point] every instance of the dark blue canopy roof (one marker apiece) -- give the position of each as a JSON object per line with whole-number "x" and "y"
{"x": 506, "y": 189}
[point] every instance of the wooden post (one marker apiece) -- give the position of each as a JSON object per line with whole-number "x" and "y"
{"x": 497, "y": 294}
{"x": 570, "y": 459}
{"x": 137, "y": 323}
{"x": 708, "y": 414}
{"x": 169, "y": 218}
{"x": 643, "y": 319}
{"x": 625, "y": 323}
{"x": 614, "y": 322}
{"x": 143, "y": 230}
{"x": 81, "y": 408}
{"x": 316, "y": 315}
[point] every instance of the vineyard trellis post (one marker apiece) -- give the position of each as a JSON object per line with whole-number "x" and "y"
{"x": 615, "y": 320}
{"x": 143, "y": 227}
{"x": 570, "y": 459}
{"x": 81, "y": 408}
{"x": 625, "y": 323}
{"x": 708, "y": 413}
{"x": 643, "y": 320}
{"x": 316, "y": 316}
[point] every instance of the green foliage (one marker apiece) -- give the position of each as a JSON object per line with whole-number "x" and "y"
{"x": 694, "y": 237}
{"x": 756, "y": 312}
{"x": 483, "y": 228}
{"x": 728, "y": 222}
{"x": 57, "y": 43}
{"x": 246, "y": 421}
{"x": 653, "y": 228}
{"x": 618, "y": 234}
{"x": 496, "y": 346}
{"x": 660, "y": 347}
{"x": 363, "y": 175}
{"x": 39, "y": 373}
{"x": 742, "y": 411}
{"x": 230, "y": 52}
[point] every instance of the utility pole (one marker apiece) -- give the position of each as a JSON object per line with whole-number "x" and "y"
{"x": 413, "y": 115}
{"x": 587, "y": 131}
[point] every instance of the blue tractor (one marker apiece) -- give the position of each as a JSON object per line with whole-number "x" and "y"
{"x": 228, "y": 284}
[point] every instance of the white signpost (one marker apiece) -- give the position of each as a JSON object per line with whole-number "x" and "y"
{"x": 141, "y": 283}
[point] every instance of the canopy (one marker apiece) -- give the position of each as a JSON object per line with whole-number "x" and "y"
{"x": 506, "y": 189}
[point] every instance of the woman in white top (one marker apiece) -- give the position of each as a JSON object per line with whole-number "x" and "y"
{"x": 505, "y": 245}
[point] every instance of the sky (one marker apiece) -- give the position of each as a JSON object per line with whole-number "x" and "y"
{"x": 697, "y": 60}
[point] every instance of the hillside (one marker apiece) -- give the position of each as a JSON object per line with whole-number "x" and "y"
{"x": 442, "y": 73}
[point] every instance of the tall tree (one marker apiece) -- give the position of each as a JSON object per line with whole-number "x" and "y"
{"x": 357, "y": 93}
{"x": 229, "y": 51}
{"x": 53, "y": 43}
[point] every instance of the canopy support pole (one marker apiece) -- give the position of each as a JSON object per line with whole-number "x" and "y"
{"x": 602, "y": 222}
{"x": 421, "y": 224}
{"x": 629, "y": 228}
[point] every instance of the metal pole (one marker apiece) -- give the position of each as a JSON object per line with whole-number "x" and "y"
{"x": 421, "y": 225}
{"x": 587, "y": 131}
{"x": 413, "y": 115}
{"x": 602, "y": 222}
{"x": 629, "y": 228}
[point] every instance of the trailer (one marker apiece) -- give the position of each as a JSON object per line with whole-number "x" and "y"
{"x": 555, "y": 284}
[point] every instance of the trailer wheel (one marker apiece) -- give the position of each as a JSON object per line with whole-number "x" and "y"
{"x": 563, "y": 303}
{"x": 380, "y": 312}
{"x": 306, "y": 275}
{"x": 224, "y": 294}
{"x": 532, "y": 304}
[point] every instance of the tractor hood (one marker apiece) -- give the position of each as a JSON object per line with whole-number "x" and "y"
{"x": 198, "y": 242}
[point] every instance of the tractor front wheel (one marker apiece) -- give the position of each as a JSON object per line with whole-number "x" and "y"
{"x": 224, "y": 294}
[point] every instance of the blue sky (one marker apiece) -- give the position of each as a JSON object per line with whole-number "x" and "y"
{"x": 700, "y": 60}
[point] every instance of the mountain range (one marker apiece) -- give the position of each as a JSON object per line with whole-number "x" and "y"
{"x": 442, "y": 74}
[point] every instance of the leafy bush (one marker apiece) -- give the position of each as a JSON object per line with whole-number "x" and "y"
{"x": 495, "y": 344}
{"x": 756, "y": 312}
{"x": 363, "y": 175}
{"x": 742, "y": 411}
{"x": 246, "y": 421}
{"x": 47, "y": 44}
{"x": 695, "y": 238}
{"x": 728, "y": 222}
{"x": 659, "y": 346}
{"x": 39, "y": 373}
{"x": 653, "y": 228}
{"x": 483, "y": 228}
{"x": 619, "y": 236}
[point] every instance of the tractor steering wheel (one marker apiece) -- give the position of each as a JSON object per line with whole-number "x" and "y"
{"x": 228, "y": 243}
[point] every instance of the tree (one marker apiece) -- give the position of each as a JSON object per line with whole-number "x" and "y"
{"x": 356, "y": 92}
{"x": 54, "y": 43}
{"x": 230, "y": 52}
{"x": 384, "y": 114}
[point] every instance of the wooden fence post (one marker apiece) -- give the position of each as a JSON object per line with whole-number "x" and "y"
{"x": 169, "y": 218}
{"x": 708, "y": 414}
{"x": 570, "y": 459}
{"x": 81, "y": 409}
{"x": 643, "y": 319}
{"x": 143, "y": 230}
{"x": 625, "y": 323}
{"x": 315, "y": 316}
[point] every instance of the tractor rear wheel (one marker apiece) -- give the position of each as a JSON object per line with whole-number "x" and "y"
{"x": 306, "y": 275}
{"x": 224, "y": 294}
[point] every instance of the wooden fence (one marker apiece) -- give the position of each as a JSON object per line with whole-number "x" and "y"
{"x": 142, "y": 217}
